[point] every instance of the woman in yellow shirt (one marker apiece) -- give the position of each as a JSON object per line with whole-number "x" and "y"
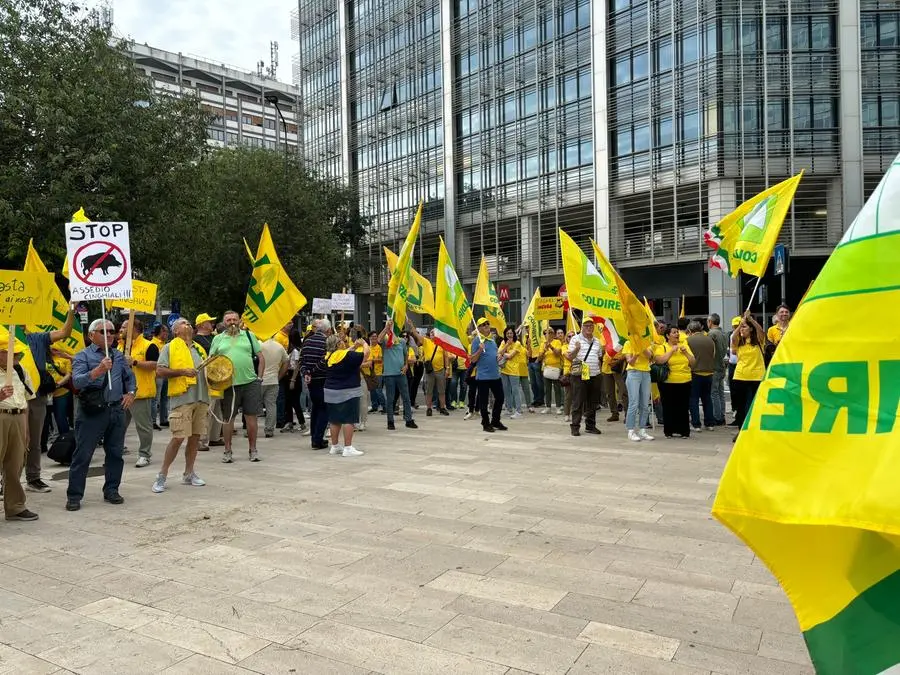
{"x": 60, "y": 367}
{"x": 675, "y": 392}
{"x": 513, "y": 353}
{"x": 747, "y": 342}
{"x": 550, "y": 354}
{"x": 637, "y": 383}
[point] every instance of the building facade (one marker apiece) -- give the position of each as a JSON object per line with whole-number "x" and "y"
{"x": 636, "y": 123}
{"x": 241, "y": 103}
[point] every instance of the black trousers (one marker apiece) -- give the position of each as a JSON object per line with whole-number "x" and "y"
{"x": 742, "y": 393}
{"x": 485, "y": 388}
{"x": 318, "y": 416}
{"x": 292, "y": 401}
{"x": 676, "y": 403}
{"x": 585, "y": 399}
{"x": 472, "y": 393}
{"x": 415, "y": 375}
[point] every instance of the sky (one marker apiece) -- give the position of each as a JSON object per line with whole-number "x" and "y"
{"x": 233, "y": 32}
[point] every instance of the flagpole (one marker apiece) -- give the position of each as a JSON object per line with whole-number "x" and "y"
{"x": 753, "y": 295}
{"x": 105, "y": 341}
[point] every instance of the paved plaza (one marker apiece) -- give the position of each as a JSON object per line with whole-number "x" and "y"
{"x": 444, "y": 550}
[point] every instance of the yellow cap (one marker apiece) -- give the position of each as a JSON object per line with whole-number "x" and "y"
{"x": 735, "y": 322}
{"x": 203, "y": 318}
{"x": 481, "y": 321}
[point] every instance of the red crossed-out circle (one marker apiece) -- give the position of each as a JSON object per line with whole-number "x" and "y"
{"x": 106, "y": 249}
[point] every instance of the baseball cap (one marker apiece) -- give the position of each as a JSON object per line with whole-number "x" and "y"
{"x": 587, "y": 319}
{"x": 201, "y": 318}
{"x": 481, "y": 321}
{"x": 735, "y": 322}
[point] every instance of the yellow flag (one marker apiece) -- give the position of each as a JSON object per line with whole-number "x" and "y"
{"x": 572, "y": 323}
{"x": 452, "y": 311}
{"x": 654, "y": 334}
{"x": 420, "y": 297}
{"x": 486, "y": 296}
{"x": 681, "y": 313}
{"x": 639, "y": 326}
{"x": 398, "y": 288}
{"x": 75, "y": 342}
{"x": 272, "y": 298}
{"x": 613, "y": 320}
{"x": 811, "y": 485}
{"x": 535, "y": 328}
{"x": 80, "y": 217}
{"x": 744, "y": 239}
{"x": 27, "y": 360}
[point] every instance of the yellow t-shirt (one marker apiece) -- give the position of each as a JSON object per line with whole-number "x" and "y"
{"x": 428, "y": 348}
{"x": 410, "y": 354}
{"x": 774, "y": 334}
{"x": 679, "y": 366}
{"x": 550, "y": 359}
{"x": 61, "y": 368}
{"x": 750, "y": 364}
{"x": 377, "y": 359}
{"x": 682, "y": 337}
{"x": 642, "y": 364}
{"x": 515, "y": 354}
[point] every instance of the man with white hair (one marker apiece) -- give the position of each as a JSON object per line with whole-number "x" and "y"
{"x": 106, "y": 388}
{"x": 245, "y": 352}
{"x": 312, "y": 366}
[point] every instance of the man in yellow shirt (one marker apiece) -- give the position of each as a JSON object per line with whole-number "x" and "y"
{"x": 437, "y": 370}
{"x": 375, "y": 373}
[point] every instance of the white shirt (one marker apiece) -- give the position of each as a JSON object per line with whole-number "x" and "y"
{"x": 275, "y": 356}
{"x": 19, "y": 399}
{"x": 593, "y": 358}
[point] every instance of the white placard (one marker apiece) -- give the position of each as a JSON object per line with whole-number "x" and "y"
{"x": 99, "y": 261}
{"x": 343, "y": 302}
{"x": 321, "y": 306}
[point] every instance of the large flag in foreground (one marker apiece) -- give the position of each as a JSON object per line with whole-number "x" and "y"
{"x": 420, "y": 296}
{"x": 534, "y": 327}
{"x": 75, "y": 342}
{"x": 744, "y": 239}
{"x": 398, "y": 287}
{"x": 614, "y": 328}
{"x": 811, "y": 485}
{"x": 452, "y": 311}
{"x": 486, "y": 296}
{"x": 272, "y": 298}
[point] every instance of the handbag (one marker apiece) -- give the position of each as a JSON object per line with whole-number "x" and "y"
{"x": 551, "y": 372}
{"x": 253, "y": 355}
{"x": 429, "y": 364}
{"x": 659, "y": 372}
{"x": 92, "y": 401}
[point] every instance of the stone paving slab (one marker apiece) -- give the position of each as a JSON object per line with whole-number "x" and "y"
{"x": 442, "y": 550}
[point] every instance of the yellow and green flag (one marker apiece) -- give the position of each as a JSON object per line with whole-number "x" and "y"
{"x": 272, "y": 298}
{"x": 452, "y": 311}
{"x": 744, "y": 239}
{"x": 613, "y": 325}
{"x": 420, "y": 296}
{"x": 535, "y": 328}
{"x": 486, "y": 296}
{"x": 398, "y": 288}
{"x": 75, "y": 342}
{"x": 811, "y": 485}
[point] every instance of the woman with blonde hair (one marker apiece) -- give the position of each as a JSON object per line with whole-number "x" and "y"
{"x": 343, "y": 390}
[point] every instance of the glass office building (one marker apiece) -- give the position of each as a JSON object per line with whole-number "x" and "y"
{"x": 636, "y": 123}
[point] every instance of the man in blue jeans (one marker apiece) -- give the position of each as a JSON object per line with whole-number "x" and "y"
{"x": 487, "y": 375}
{"x": 394, "y": 350}
{"x": 104, "y": 416}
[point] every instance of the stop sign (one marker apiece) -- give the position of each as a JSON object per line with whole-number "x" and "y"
{"x": 565, "y": 295}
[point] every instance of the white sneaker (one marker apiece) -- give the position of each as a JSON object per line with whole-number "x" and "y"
{"x": 634, "y": 436}
{"x": 696, "y": 430}
{"x": 568, "y": 418}
{"x": 467, "y": 416}
{"x": 361, "y": 427}
{"x": 644, "y": 435}
{"x": 142, "y": 461}
{"x": 545, "y": 411}
{"x": 192, "y": 479}
{"x": 516, "y": 415}
{"x": 559, "y": 410}
{"x": 335, "y": 450}
{"x": 306, "y": 432}
{"x": 159, "y": 485}
{"x": 350, "y": 451}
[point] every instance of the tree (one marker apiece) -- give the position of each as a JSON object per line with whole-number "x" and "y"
{"x": 198, "y": 251}
{"x": 80, "y": 125}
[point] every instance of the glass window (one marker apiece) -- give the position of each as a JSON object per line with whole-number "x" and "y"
{"x": 823, "y": 114}
{"x": 511, "y": 171}
{"x": 870, "y": 111}
{"x": 570, "y": 88}
{"x": 690, "y": 125}
{"x": 663, "y": 131}
{"x": 529, "y": 102}
{"x": 509, "y": 108}
{"x": 569, "y": 20}
{"x": 509, "y": 45}
{"x": 584, "y": 13}
{"x": 550, "y": 160}
{"x": 621, "y": 4}
{"x": 689, "y": 49}
{"x": 387, "y": 98}
{"x": 572, "y": 149}
{"x": 464, "y": 126}
{"x": 641, "y": 66}
{"x": 729, "y": 35}
{"x": 548, "y": 94}
{"x": 641, "y": 138}
{"x": 869, "y": 30}
{"x": 750, "y": 35}
{"x": 532, "y": 166}
{"x": 890, "y": 111}
{"x": 887, "y": 30}
{"x": 822, "y": 34}
{"x": 549, "y": 27}
{"x": 623, "y": 141}
{"x": 584, "y": 83}
{"x": 529, "y": 37}
{"x": 587, "y": 152}
{"x": 474, "y": 120}
{"x": 774, "y": 33}
{"x": 800, "y": 33}
{"x": 775, "y": 114}
{"x": 802, "y": 115}
{"x": 751, "y": 117}
{"x": 623, "y": 68}
{"x": 662, "y": 55}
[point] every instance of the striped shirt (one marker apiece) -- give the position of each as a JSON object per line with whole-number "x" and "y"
{"x": 312, "y": 358}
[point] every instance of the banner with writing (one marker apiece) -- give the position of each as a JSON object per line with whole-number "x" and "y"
{"x": 143, "y": 298}
{"x": 26, "y": 297}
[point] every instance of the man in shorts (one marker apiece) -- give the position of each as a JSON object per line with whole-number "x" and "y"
{"x": 188, "y": 402}
{"x": 241, "y": 346}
